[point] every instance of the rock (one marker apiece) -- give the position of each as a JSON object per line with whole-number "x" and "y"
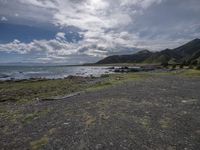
{"x": 125, "y": 67}
{"x": 111, "y": 143}
{"x": 66, "y": 123}
{"x": 111, "y": 68}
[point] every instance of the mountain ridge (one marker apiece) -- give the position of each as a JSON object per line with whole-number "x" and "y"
{"x": 187, "y": 53}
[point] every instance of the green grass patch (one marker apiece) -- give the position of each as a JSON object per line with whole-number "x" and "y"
{"x": 39, "y": 144}
{"x": 32, "y": 90}
{"x": 10, "y": 115}
{"x": 183, "y": 73}
{"x": 16, "y": 116}
{"x": 165, "y": 122}
{"x": 191, "y": 73}
{"x": 116, "y": 79}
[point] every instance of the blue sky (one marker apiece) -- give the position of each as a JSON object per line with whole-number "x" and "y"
{"x": 82, "y": 31}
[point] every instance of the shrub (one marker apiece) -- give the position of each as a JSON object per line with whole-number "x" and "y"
{"x": 104, "y": 75}
{"x": 181, "y": 66}
{"x": 188, "y": 63}
{"x": 191, "y": 67}
{"x": 165, "y": 64}
{"x": 198, "y": 67}
{"x": 194, "y": 62}
{"x": 174, "y": 66}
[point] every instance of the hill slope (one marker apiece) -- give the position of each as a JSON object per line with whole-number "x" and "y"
{"x": 134, "y": 58}
{"x": 189, "y": 52}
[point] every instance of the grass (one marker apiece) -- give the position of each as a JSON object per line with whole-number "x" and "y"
{"x": 125, "y": 64}
{"x": 191, "y": 73}
{"x": 183, "y": 73}
{"x": 116, "y": 79}
{"x": 144, "y": 121}
{"x": 15, "y": 116}
{"x": 39, "y": 144}
{"x": 27, "y": 91}
{"x": 99, "y": 86}
{"x": 10, "y": 115}
{"x": 165, "y": 122}
{"x": 32, "y": 116}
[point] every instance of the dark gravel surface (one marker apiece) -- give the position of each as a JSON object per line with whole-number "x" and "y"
{"x": 158, "y": 113}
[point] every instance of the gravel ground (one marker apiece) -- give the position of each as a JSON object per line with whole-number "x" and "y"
{"x": 161, "y": 112}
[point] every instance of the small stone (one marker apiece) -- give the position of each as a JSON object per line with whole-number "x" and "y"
{"x": 124, "y": 141}
{"x": 98, "y": 146}
{"x": 66, "y": 123}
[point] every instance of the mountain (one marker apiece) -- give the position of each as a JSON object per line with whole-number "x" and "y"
{"x": 188, "y": 53}
{"x": 134, "y": 58}
{"x": 189, "y": 48}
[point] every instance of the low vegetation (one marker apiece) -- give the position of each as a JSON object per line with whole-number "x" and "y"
{"x": 26, "y": 91}
{"x": 39, "y": 144}
{"x": 191, "y": 73}
{"x": 33, "y": 90}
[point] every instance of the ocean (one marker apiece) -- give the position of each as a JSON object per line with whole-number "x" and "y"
{"x": 49, "y": 72}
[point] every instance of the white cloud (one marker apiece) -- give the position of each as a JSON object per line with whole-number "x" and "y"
{"x": 93, "y": 15}
{"x": 40, "y": 3}
{"x": 60, "y": 36}
{"x": 98, "y": 14}
{"x": 60, "y": 48}
{"x": 4, "y": 19}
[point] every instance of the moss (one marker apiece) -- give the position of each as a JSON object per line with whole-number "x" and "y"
{"x": 39, "y": 144}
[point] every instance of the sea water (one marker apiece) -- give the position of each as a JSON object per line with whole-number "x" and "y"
{"x": 49, "y": 72}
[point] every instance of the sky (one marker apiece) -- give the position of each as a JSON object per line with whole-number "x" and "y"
{"x": 85, "y": 31}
